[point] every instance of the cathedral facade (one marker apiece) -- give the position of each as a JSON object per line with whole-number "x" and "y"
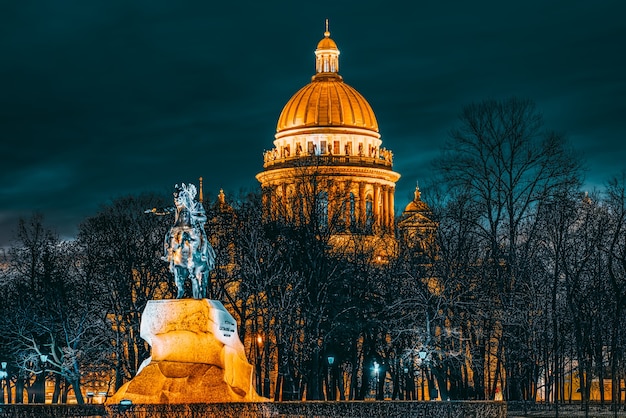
{"x": 328, "y": 159}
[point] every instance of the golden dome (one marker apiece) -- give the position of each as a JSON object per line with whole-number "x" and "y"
{"x": 327, "y": 101}
{"x": 326, "y": 42}
{"x": 414, "y": 206}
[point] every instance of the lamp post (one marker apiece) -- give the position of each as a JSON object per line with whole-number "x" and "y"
{"x": 331, "y": 387}
{"x": 264, "y": 356}
{"x": 422, "y": 355}
{"x": 44, "y": 360}
{"x": 376, "y": 371}
{"x": 3, "y": 375}
{"x": 259, "y": 344}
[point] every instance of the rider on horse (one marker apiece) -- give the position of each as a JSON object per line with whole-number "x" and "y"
{"x": 187, "y": 248}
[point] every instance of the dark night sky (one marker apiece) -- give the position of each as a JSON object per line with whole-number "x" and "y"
{"x": 104, "y": 98}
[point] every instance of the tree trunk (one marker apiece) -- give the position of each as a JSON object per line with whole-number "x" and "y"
{"x": 75, "y": 383}
{"x": 395, "y": 377}
{"x": 36, "y": 393}
{"x": 64, "y": 393}
{"x": 339, "y": 378}
{"x": 8, "y": 388}
{"x": 279, "y": 393}
{"x": 313, "y": 392}
{"x": 58, "y": 382}
{"x": 19, "y": 390}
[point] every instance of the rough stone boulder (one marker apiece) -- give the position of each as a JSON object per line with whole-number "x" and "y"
{"x": 197, "y": 356}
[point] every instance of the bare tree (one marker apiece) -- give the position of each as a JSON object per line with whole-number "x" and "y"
{"x": 123, "y": 248}
{"x": 615, "y": 248}
{"x": 52, "y": 315}
{"x": 505, "y": 164}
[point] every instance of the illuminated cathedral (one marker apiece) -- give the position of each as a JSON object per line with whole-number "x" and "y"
{"x": 328, "y": 158}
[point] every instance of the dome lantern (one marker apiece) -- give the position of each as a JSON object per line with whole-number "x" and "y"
{"x": 327, "y": 55}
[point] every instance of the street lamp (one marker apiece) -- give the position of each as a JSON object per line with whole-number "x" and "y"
{"x": 265, "y": 355}
{"x": 422, "y": 355}
{"x": 331, "y": 390}
{"x": 44, "y": 360}
{"x": 376, "y": 371}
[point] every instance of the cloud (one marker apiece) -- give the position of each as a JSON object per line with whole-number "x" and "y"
{"x": 110, "y": 98}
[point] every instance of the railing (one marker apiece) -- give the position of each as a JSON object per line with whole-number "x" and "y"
{"x": 321, "y": 409}
{"x": 328, "y": 160}
{"x": 52, "y": 411}
{"x": 568, "y": 408}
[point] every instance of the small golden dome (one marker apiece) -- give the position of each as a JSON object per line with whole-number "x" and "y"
{"x": 327, "y": 101}
{"x": 327, "y": 43}
{"x": 419, "y": 206}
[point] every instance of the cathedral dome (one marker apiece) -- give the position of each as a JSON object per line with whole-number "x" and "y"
{"x": 327, "y": 101}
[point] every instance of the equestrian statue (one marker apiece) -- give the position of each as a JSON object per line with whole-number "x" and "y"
{"x": 186, "y": 246}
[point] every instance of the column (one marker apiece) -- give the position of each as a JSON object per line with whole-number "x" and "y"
{"x": 391, "y": 209}
{"x": 282, "y": 189}
{"x": 377, "y": 206}
{"x": 346, "y": 195}
{"x": 361, "y": 212}
{"x": 385, "y": 207}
